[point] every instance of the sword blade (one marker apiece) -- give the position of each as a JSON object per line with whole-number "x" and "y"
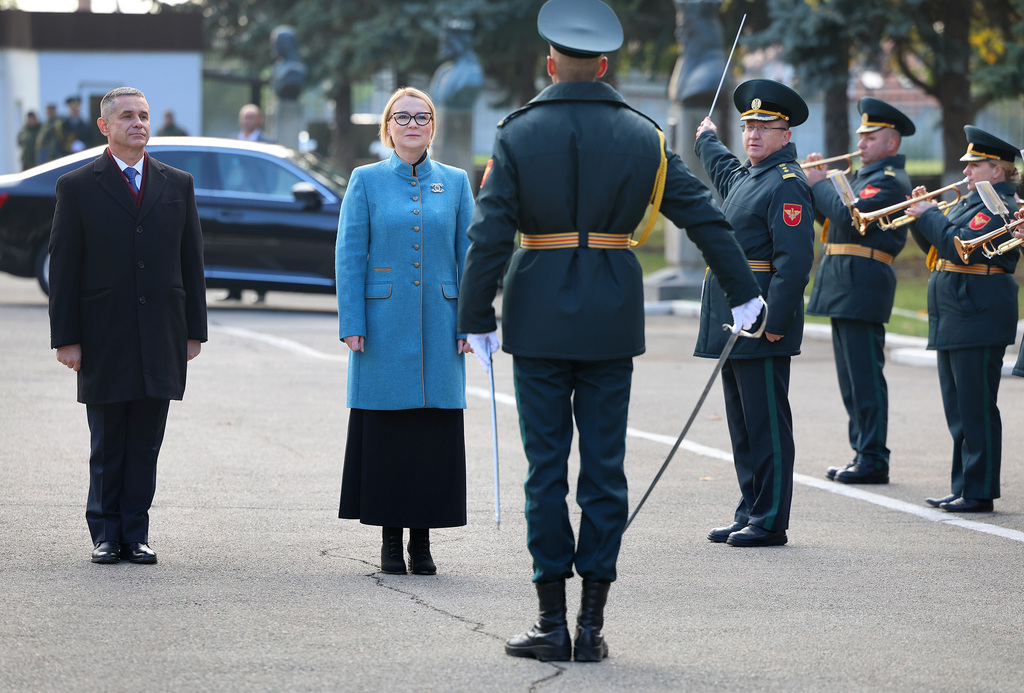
{"x": 693, "y": 415}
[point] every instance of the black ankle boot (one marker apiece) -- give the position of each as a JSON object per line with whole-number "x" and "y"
{"x": 420, "y": 560}
{"x": 548, "y": 639}
{"x": 590, "y": 645}
{"x": 391, "y": 560}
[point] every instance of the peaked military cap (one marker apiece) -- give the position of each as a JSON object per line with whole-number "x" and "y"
{"x": 876, "y": 114}
{"x": 982, "y": 146}
{"x": 580, "y": 28}
{"x": 766, "y": 99}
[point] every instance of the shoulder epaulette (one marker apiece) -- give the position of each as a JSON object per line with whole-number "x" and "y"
{"x": 513, "y": 114}
{"x": 889, "y": 171}
{"x": 784, "y": 169}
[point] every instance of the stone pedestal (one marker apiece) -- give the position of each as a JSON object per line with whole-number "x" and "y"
{"x": 453, "y": 139}
{"x": 288, "y": 122}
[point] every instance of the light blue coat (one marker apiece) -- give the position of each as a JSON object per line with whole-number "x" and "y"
{"x": 401, "y": 249}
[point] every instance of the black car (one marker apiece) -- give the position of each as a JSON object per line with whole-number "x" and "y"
{"x": 269, "y": 213}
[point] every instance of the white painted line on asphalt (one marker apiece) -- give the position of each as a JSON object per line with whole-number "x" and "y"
{"x": 931, "y": 514}
{"x": 696, "y": 448}
{"x": 279, "y": 342}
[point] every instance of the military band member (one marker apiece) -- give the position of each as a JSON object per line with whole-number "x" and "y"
{"x": 573, "y": 171}
{"x": 972, "y": 316}
{"x": 856, "y": 284}
{"x": 768, "y": 203}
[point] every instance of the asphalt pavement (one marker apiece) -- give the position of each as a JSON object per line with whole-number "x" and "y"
{"x": 260, "y": 587}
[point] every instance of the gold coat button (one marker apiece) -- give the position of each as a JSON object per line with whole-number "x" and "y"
{"x": 413, "y": 184}
{"x": 415, "y": 264}
{"x": 415, "y": 211}
{"x": 416, "y": 247}
{"x": 415, "y": 228}
{"x": 415, "y": 283}
{"x": 415, "y": 198}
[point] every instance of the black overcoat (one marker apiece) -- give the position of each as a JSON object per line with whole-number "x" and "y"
{"x": 126, "y": 281}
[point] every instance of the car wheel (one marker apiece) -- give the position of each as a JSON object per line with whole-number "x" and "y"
{"x": 43, "y": 269}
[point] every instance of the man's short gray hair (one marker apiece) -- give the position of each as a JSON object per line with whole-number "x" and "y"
{"x": 109, "y": 100}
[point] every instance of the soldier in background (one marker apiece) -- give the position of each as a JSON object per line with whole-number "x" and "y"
{"x": 768, "y": 203}
{"x": 856, "y": 284}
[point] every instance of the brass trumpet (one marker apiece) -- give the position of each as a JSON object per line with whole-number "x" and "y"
{"x": 883, "y": 216}
{"x": 965, "y": 248}
{"x": 848, "y": 158}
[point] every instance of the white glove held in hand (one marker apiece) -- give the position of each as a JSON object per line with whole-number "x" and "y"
{"x": 483, "y": 346}
{"x": 744, "y": 316}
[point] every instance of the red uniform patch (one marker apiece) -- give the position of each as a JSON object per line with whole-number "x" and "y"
{"x": 487, "y": 172}
{"x": 791, "y": 214}
{"x": 979, "y": 221}
{"x": 869, "y": 191}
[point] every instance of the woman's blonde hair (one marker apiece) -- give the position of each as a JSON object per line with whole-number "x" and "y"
{"x": 385, "y": 136}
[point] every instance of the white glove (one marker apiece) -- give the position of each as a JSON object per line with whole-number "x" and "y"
{"x": 483, "y": 346}
{"x": 744, "y": 316}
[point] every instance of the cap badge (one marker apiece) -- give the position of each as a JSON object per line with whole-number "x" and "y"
{"x": 755, "y": 104}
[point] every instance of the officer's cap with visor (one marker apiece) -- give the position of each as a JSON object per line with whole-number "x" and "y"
{"x": 876, "y": 114}
{"x": 982, "y": 146}
{"x": 766, "y": 100}
{"x": 580, "y": 28}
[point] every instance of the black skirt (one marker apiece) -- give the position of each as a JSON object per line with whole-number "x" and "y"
{"x": 405, "y": 468}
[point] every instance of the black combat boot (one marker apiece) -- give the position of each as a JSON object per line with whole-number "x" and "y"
{"x": 420, "y": 560}
{"x": 590, "y": 645}
{"x": 391, "y": 559}
{"x": 548, "y": 638}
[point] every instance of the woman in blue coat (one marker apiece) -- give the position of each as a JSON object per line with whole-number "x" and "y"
{"x": 401, "y": 248}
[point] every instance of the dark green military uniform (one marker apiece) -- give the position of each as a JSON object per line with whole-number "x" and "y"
{"x": 972, "y": 316}
{"x": 855, "y": 287}
{"x": 770, "y": 208}
{"x": 578, "y": 160}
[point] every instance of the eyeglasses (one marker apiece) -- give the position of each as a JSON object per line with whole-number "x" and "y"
{"x": 403, "y": 118}
{"x": 759, "y": 129}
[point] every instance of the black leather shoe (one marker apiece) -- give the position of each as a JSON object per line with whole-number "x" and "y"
{"x": 755, "y": 536}
{"x": 106, "y": 552}
{"x": 720, "y": 534}
{"x": 391, "y": 560}
{"x": 863, "y": 472}
{"x": 420, "y": 560}
{"x": 831, "y": 472}
{"x": 936, "y": 502}
{"x": 968, "y": 505}
{"x": 138, "y": 552}
{"x": 589, "y": 644}
{"x": 548, "y": 638}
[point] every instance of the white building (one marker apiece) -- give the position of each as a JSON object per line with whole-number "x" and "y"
{"x": 46, "y": 57}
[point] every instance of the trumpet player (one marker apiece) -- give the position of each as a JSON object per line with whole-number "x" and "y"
{"x": 855, "y": 283}
{"x": 972, "y": 317}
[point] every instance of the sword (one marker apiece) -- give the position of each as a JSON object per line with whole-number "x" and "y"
{"x": 700, "y": 402}
{"x": 729, "y": 62}
{"x": 494, "y": 438}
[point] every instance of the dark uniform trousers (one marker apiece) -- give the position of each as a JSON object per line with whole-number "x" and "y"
{"x": 859, "y": 348}
{"x": 969, "y": 379}
{"x": 549, "y": 393}
{"x": 126, "y": 439}
{"x": 761, "y": 426}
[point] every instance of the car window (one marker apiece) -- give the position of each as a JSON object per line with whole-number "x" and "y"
{"x": 196, "y": 163}
{"x": 240, "y": 173}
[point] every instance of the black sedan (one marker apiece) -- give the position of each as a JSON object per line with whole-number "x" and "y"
{"x": 269, "y": 213}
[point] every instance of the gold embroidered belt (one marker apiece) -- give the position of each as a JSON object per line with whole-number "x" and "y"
{"x": 761, "y": 265}
{"x": 859, "y": 251}
{"x": 544, "y": 241}
{"x": 947, "y": 266}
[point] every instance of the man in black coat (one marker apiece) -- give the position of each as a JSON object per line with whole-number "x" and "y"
{"x": 127, "y": 311}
